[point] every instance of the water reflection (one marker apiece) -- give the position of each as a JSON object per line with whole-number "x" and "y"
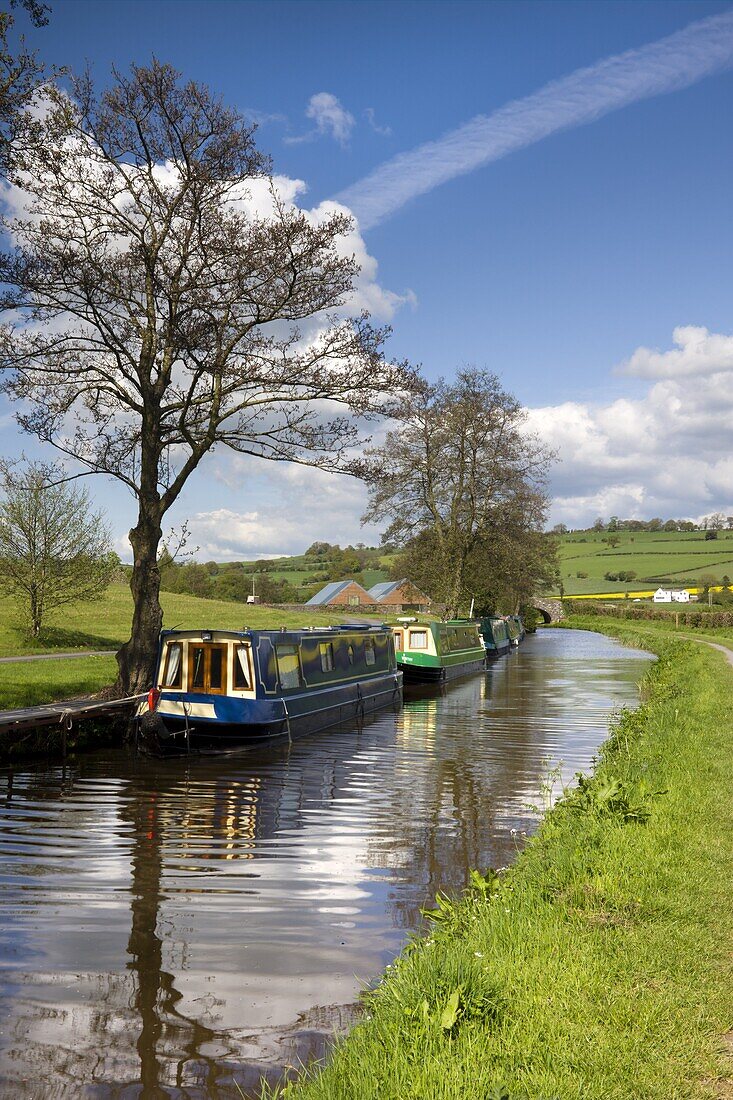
{"x": 169, "y": 928}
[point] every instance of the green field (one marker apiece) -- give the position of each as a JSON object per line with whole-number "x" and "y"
{"x": 599, "y": 967}
{"x": 106, "y": 625}
{"x": 675, "y": 555}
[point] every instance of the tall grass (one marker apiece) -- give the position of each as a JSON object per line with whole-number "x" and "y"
{"x": 600, "y": 967}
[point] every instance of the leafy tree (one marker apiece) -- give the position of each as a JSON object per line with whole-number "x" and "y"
{"x": 161, "y": 311}
{"x": 599, "y": 524}
{"x": 456, "y": 474}
{"x": 613, "y": 541}
{"x": 53, "y": 549}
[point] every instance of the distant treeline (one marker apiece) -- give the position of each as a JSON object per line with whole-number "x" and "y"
{"x": 306, "y": 574}
{"x": 715, "y": 522}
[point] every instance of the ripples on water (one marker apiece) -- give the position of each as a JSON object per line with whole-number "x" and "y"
{"x": 169, "y": 928}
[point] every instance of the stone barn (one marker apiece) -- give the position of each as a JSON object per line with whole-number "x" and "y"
{"x": 341, "y": 594}
{"x": 399, "y": 596}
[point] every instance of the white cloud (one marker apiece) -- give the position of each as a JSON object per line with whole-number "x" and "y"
{"x": 302, "y": 505}
{"x": 668, "y": 453}
{"x": 698, "y": 352}
{"x": 331, "y": 120}
{"x": 370, "y": 116}
{"x": 672, "y": 63}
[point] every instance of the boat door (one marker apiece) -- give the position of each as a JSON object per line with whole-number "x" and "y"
{"x": 207, "y": 665}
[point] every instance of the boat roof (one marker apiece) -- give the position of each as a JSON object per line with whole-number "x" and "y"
{"x": 279, "y": 632}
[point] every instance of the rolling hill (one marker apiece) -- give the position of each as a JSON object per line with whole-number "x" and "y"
{"x": 679, "y": 558}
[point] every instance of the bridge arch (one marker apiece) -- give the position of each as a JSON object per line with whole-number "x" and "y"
{"x": 550, "y": 610}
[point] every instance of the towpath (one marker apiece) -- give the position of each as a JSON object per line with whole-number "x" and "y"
{"x": 57, "y": 656}
{"x": 716, "y": 645}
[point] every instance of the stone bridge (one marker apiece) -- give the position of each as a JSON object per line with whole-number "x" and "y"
{"x": 550, "y": 610}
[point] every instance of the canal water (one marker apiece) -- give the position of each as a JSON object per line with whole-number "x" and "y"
{"x": 177, "y": 929}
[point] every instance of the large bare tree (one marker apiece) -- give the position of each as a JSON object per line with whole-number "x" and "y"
{"x": 460, "y": 482}
{"x": 161, "y": 312}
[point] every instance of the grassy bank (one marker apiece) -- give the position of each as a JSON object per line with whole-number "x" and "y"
{"x": 599, "y": 967}
{"x": 106, "y": 623}
{"x": 27, "y": 685}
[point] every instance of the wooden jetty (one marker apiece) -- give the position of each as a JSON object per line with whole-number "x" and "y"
{"x": 67, "y": 713}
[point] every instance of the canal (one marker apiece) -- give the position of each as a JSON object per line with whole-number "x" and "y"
{"x": 180, "y": 928}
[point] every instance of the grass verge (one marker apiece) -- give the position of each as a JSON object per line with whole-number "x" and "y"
{"x": 105, "y": 624}
{"x": 35, "y": 682}
{"x": 599, "y": 967}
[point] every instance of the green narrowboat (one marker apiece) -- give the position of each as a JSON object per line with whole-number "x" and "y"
{"x": 495, "y": 635}
{"x": 434, "y": 651}
{"x": 515, "y": 629}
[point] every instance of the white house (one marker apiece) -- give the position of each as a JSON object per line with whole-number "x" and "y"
{"x": 671, "y": 595}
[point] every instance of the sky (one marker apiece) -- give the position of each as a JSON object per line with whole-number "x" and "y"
{"x": 541, "y": 189}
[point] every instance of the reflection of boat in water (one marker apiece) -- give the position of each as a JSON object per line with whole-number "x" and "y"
{"x": 431, "y": 651}
{"x": 221, "y": 690}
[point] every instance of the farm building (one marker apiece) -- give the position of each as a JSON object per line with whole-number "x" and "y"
{"x": 399, "y": 596}
{"x": 341, "y": 594}
{"x": 671, "y": 595}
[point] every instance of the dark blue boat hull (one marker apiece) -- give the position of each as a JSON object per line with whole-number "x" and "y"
{"x": 238, "y": 722}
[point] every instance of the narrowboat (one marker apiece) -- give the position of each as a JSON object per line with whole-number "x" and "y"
{"x": 495, "y": 635}
{"x": 434, "y": 651}
{"x": 220, "y": 690}
{"x": 515, "y": 629}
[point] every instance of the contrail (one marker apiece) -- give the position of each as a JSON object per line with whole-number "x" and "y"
{"x": 675, "y": 62}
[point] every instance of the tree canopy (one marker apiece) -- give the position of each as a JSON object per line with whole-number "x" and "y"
{"x": 461, "y": 483}
{"x": 167, "y": 299}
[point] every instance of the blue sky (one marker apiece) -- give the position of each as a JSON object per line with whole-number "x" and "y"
{"x": 551, "y": 265}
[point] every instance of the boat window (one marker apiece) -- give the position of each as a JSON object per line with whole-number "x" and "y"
{"x": 197, "y": 666}
{"x": 370, "y": 655}
{"x": 288, "y": 665}
{"x": 173, "y": 666}
{"x": 398, "y": 642}
{"x": 241, "y": 679}
{"x": 327, "y": 662}
{"x": 215, "y": 669}
{"x": 350, "y": 652}
{"x": 418, "y": 639}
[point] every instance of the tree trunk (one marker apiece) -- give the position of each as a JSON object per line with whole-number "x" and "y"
{"x": 136, "y": 660}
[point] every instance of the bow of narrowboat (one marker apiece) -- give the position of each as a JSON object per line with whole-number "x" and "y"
{"x": 219, "y": 690}
{"x": 428, "y": 652}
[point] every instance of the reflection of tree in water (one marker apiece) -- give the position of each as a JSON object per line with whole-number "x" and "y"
{"x": 155, "y": 994}
{"x": 483, "y": 746}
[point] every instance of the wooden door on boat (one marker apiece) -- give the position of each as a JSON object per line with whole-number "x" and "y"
{"x": 207, "y": 668}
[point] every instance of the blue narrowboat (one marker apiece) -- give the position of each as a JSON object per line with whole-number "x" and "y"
{"x": 220, "y": 690}
{"x": 495, "y": 635}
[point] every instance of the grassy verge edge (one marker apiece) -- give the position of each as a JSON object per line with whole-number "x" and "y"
{"x": 599, "y": 966}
